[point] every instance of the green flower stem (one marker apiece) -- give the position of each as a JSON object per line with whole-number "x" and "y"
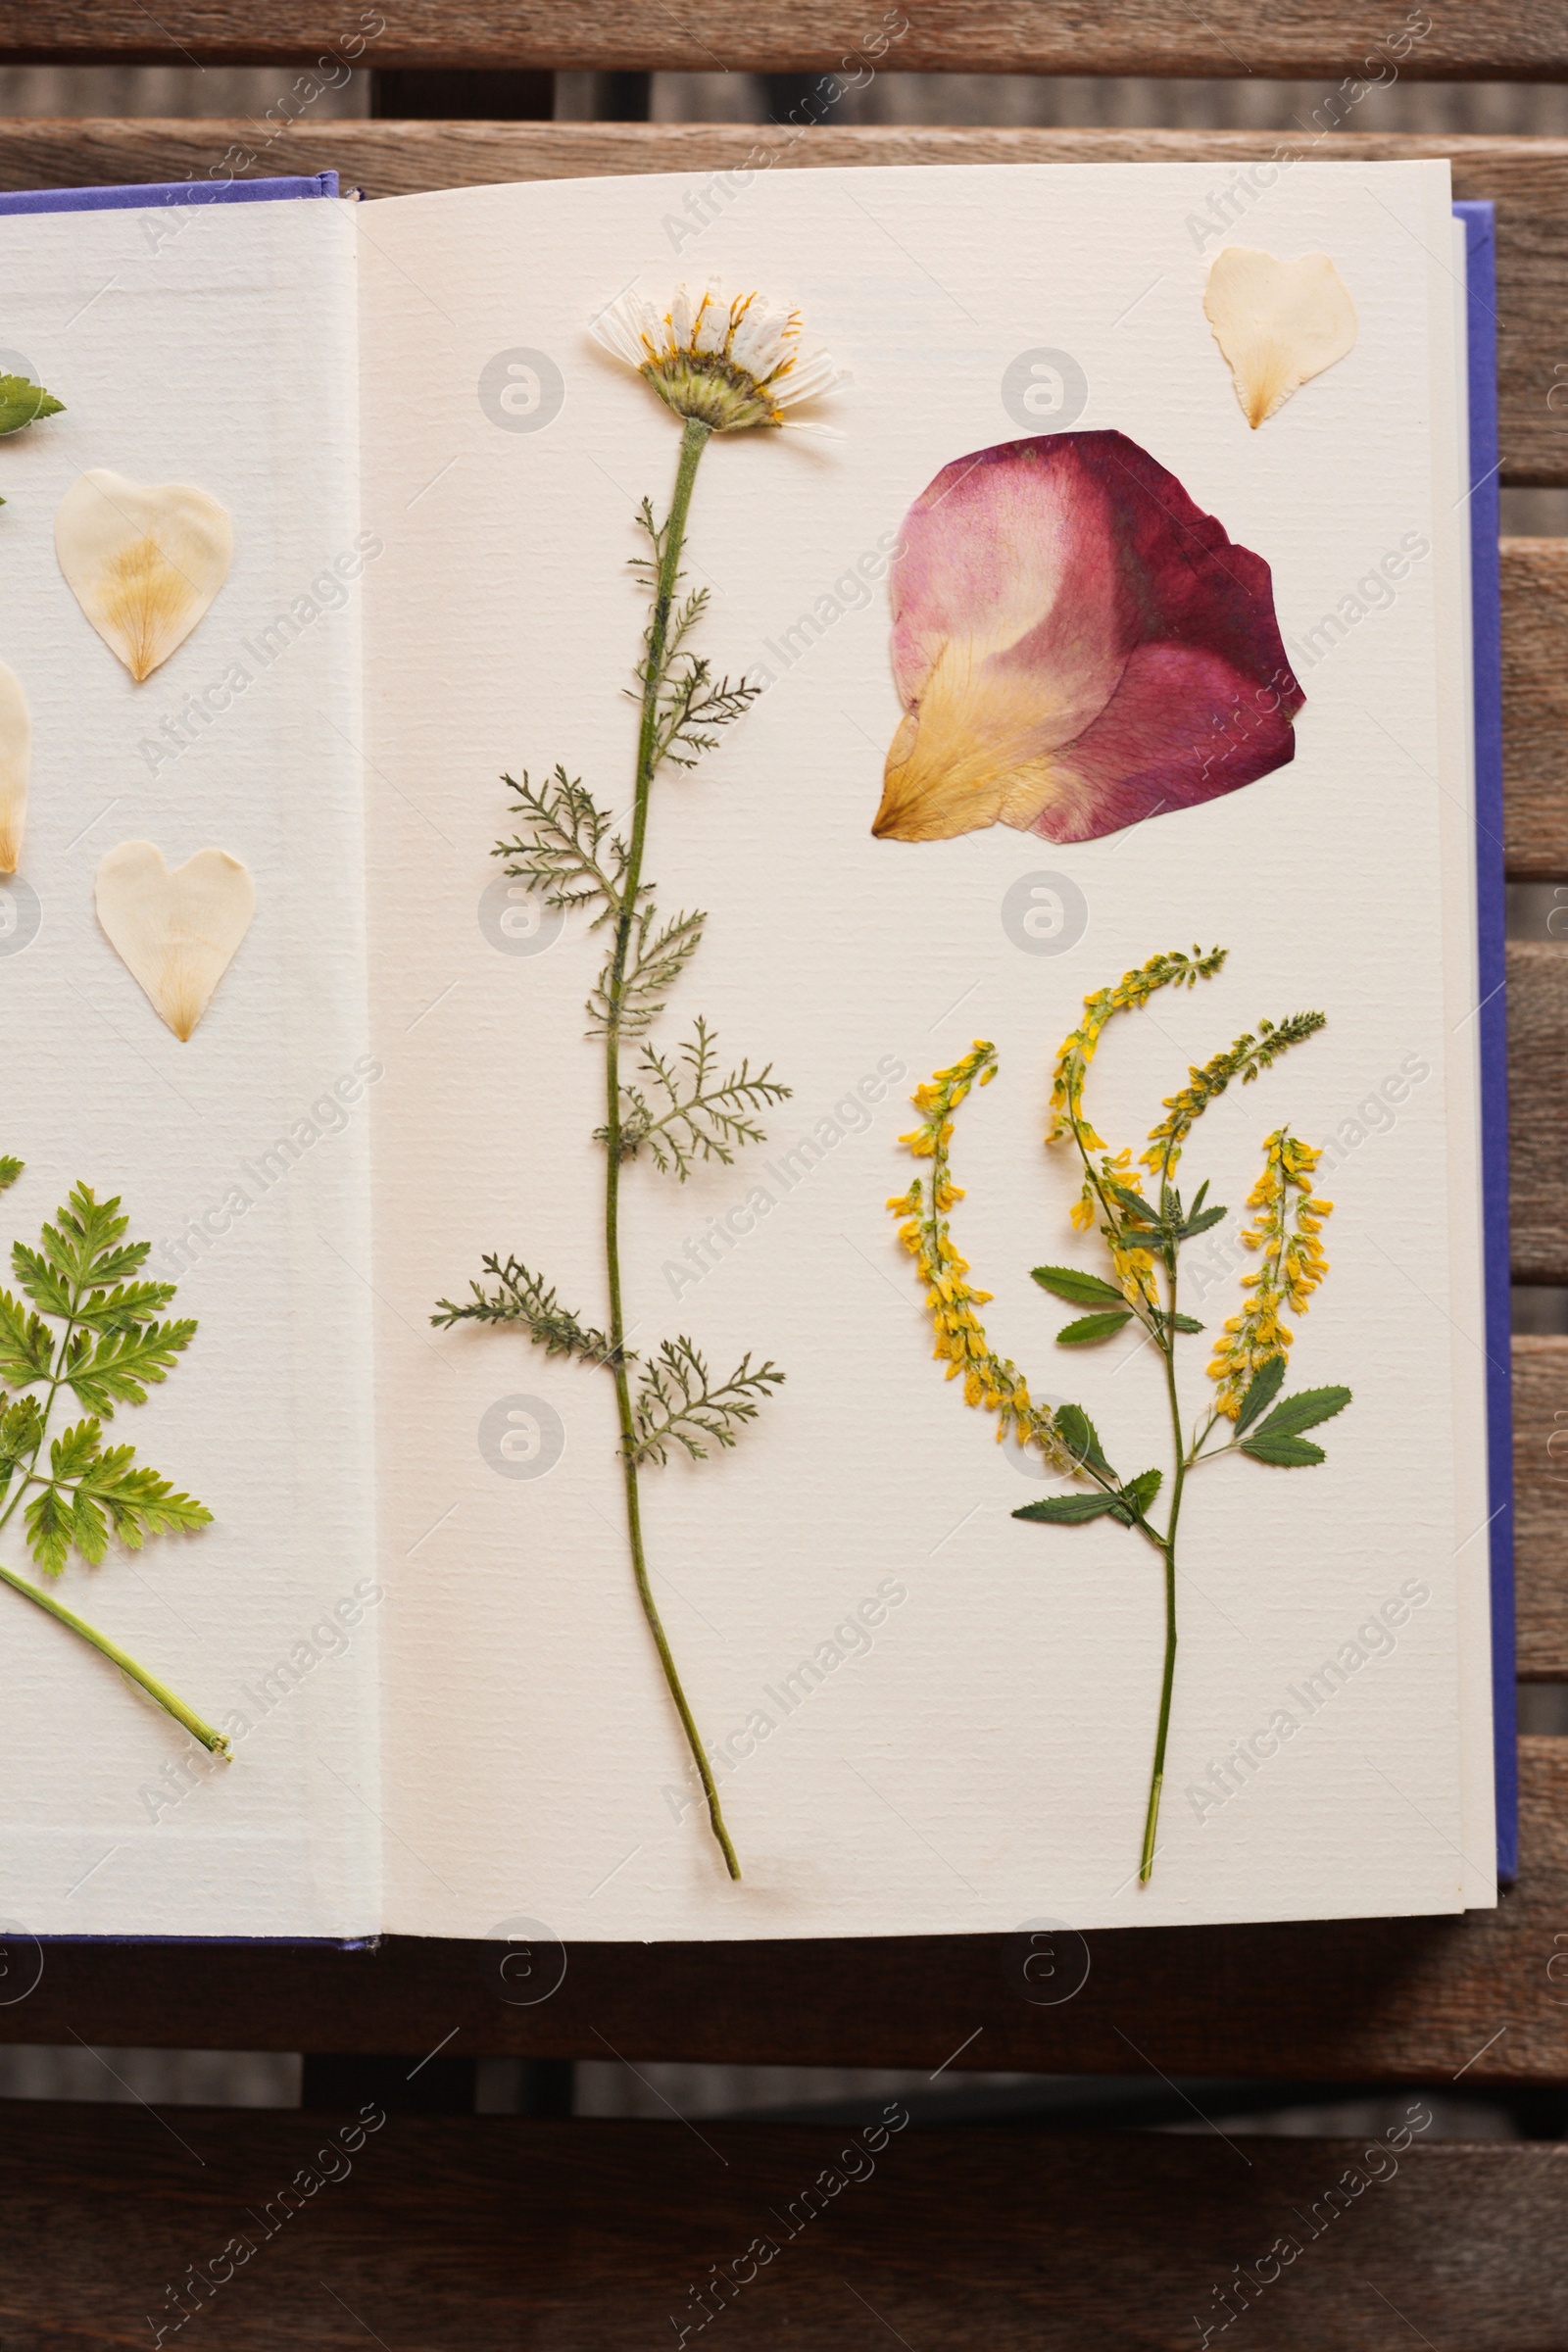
{"x": 694, "y": 440}
{"x": 214, "y": 1741}
{"x": 1157, "y": 1777}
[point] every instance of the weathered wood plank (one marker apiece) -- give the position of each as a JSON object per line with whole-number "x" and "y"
{"x": 1537, "y": 1088}
{"x": 1443, "y": 42}
{"x": 1363, "y": 2001}
{"x": 1527, "y": 178}
{"x": 1540, "y": 1506}
{"x": 588, "y": 2237}
{"x": 1535, "y": 708}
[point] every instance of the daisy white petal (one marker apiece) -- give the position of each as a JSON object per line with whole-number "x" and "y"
{"x": 725, "y": 361}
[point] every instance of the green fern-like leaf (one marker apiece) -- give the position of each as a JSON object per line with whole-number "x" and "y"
{"x": 560, "y": 850}
{"x": 124, "y": 1361}
{"x": 89, "y": 1494}
{"x": 109, "y": 1349}
{"x": 524, "y": 1297}
{"x": 140, "y": 1501}
{"x": 692, "y": 708}
{"x": 695, "y": 1113}
{"x": 125, "y": 1308}
{"x": 655, "y": 962}
{"x": 679, "y": 1403}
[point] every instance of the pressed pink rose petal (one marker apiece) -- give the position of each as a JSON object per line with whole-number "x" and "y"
{"x": 1076, "y": 646}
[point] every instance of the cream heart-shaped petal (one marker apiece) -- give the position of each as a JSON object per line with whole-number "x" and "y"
{"x": 176, "y": 932}
{"x": 143, "y": 564}
{"x": 1277, "y": 322}
{"x": 16, "y": 751}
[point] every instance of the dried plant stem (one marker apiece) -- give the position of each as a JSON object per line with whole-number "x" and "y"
{"x": 214, "y": 1741}
{"x": 1162, "y": 1329}
{"x": 1168, "y": 1547}
{"x": 693, "y": 441}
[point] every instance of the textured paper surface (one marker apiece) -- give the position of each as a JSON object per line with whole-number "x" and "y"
{"x": 214, "y": 348}
{"x": 981, "y": 1757}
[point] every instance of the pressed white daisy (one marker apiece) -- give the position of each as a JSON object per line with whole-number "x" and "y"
{"x": 725, "y": 362}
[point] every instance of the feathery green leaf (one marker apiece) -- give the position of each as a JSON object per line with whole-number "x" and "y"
{"x": 655, "y": 962}
{"x": 523, "y": 1296}
{"x": 561, "y": 850}
{"x": 702, "y": 1116}
{"x": 679, "y": 1403}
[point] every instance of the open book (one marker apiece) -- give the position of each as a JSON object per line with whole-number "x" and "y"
{"x": 528, "y": 868}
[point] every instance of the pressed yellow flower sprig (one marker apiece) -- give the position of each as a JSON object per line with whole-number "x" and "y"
{"x": 1144, "y": 1232}
{"x": 1289, "y": 1222}
{"x": 720, "y": 367}
{"x": 989, "y": 1380}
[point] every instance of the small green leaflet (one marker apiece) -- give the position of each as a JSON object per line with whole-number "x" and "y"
{"x": 124, "y": 1307}
{"x": 117, "y": 1368}
{"x": 1283, "y": 1452}
{"x": 82, "y": 1242}
{"x": 1262, "y": 1390}
{"x": 1068, "y": 1510}
{"x": 1139, "y": 1491}
{"x": 10, "y": 1170}
{"x": 1199, "y": 1222}
{"x": 1073, "y": 1510}
{"x": 1179, "y": 1322}
{"x": 26, "y": 1344}
{"x": 1133, "y": 1203}
{"x": 1278, "y": 1440}
{"x": 22, "y": 402}
{"x": 21, "y": 1430}
{"x": 1306, "y": 1411}
{"x": 43, "y": 1285}
{"x": 1079, "y": 1290}
{"x": 1092, "y": 1327}
{"x": 1081, "y": 1438}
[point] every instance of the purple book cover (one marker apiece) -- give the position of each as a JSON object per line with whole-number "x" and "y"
{"x": 1486, "y": 608}
{"x": 176, "y": 193}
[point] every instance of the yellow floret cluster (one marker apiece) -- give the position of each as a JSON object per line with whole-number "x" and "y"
{"x": 1078, "y": 1047}
{"x": 990, "y": 1382}
{"x": 1134, "y": 1269}
{"x": 1286, "y": 1229}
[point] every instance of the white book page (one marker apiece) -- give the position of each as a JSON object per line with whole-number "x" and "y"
{"x": 924, "y": 1716}
{"x": 212, "y": 347}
